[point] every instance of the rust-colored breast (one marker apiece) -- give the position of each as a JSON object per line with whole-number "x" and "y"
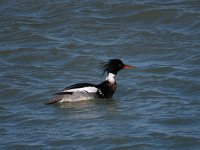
{"x": 112, "y": 88}
{"x": 107, "y": 89}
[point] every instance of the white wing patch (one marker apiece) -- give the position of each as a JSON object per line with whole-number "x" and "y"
{"x": 84, "y": 89}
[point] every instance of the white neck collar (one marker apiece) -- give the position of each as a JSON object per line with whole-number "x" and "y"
{"x": 110, "y": 78}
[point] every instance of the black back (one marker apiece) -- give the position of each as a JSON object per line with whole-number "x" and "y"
{"x": 80, "y": 85}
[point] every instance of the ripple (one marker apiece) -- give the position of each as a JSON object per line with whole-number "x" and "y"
{"x": 47, "y": 46}
{"x": 24, "y": 146}
{"x": 176, "y": 121}
{"x": 160, "y": 70}
{"x": 184, "y": 141}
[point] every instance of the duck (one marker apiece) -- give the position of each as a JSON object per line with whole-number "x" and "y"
{"x": 87, "y": 91}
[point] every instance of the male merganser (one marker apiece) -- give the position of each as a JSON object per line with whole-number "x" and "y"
{"x": 85, "y": 91}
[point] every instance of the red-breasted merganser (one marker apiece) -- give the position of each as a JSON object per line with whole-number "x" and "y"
{"x": 86, "y": 91}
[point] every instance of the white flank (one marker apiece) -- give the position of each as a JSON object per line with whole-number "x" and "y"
{"x": 78, "y": 96}
{"x": 84, "y": 89}
{"x": 110, "y": 78}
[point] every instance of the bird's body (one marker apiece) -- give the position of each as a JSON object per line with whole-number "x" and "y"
{"x": 86, "y": 91}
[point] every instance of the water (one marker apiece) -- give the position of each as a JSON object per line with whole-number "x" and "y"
{"x": 48, "y": 45}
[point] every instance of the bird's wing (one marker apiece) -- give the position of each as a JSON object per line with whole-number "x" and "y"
{"x": 81, "y": 87}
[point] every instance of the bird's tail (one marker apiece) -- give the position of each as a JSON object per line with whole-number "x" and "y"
{"x": 54, "y": 100}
